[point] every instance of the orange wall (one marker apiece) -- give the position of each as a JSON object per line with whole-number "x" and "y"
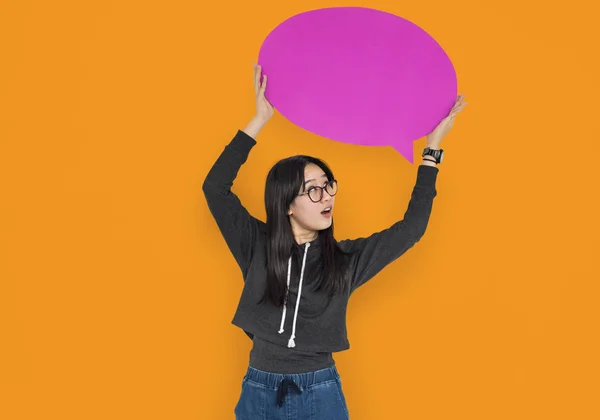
{"x": 117, "y": 291}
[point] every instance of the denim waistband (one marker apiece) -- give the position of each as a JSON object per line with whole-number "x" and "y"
{"x": 303, "y": 380}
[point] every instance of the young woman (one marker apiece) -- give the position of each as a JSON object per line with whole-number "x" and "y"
{"x": 297, "y": 277}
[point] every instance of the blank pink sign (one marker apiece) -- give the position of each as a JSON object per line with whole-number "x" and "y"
{"x": 359, "y": 76}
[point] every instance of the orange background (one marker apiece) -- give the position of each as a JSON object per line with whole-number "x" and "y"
{"x": 117, "y": 291}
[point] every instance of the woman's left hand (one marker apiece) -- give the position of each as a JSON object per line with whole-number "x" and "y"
{"x": 435, "y": 137}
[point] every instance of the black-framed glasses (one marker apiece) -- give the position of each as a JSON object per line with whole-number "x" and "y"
{"x": 316, "y": 193}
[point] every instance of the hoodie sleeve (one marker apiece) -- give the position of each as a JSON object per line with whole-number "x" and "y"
{"x": 238, "y": 227}
{"x": 373, "y": 253}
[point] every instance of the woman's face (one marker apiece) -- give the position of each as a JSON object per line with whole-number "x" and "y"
{"x": 307, "y": 216}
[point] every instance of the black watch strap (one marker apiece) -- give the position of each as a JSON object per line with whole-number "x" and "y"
{"x": 437, "y": 154}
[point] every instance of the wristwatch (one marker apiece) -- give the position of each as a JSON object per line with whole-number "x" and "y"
{"x": 438, "y": 154}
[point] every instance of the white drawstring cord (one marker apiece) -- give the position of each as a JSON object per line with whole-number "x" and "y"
{"x": 286, "y": 295}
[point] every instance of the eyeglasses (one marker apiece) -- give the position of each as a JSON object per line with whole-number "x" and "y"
{"x": 316, "y": 193}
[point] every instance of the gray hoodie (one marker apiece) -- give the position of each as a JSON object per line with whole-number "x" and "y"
{"x": 311, "y": 321}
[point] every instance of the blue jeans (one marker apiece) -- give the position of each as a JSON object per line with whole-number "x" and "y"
{"x": 314, "y": 395}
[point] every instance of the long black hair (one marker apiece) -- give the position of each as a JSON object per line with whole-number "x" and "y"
{"x": 284, "y": 182}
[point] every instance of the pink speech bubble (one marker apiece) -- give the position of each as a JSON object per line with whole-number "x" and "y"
{"x": 358, "y": 75}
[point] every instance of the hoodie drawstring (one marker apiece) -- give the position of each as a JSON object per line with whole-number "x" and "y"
{"x": 291, "y": 342}
{"x": 286, "y": 295}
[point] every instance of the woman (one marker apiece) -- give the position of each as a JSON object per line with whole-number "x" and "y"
{"x": 297, "y": 277}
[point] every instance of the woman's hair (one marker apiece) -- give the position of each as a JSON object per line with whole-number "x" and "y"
{"x": 284, "y": 182}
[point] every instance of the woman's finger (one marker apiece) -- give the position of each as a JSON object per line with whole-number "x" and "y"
{"x": 457, "y": 110}
{"x": 458, "y": 107}
{"x": 257, "y": 78}
{"x": 264, "y": 85}
{"x": 254, "y": 74}
{"x": 459, "y": 101}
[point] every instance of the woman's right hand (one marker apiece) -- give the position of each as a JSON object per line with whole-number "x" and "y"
{"x": 264, "y": 109}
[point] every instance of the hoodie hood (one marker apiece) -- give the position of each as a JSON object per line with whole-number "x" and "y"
{"x": 314, "y": 244}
